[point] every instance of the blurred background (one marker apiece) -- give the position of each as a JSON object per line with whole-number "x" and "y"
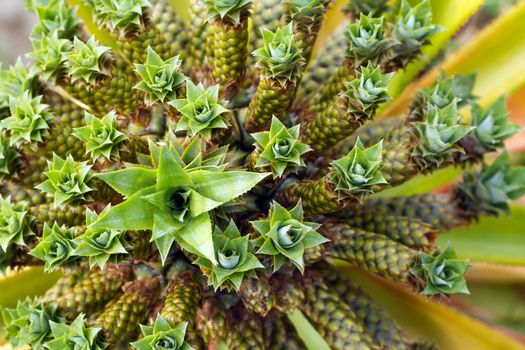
{"x": 498, "y": 294}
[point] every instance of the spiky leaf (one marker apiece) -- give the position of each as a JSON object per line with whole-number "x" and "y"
{"x": 226, "y": 9}
{"x": 55, "y": 247}
{"x": 162, "y": 335}
{"x": 15, "y": 223}
{"x": 87, "y": 60}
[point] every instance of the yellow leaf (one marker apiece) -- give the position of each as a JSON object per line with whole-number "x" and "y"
{"x": 30, "y": 281}
{"x": 429, "y": 319}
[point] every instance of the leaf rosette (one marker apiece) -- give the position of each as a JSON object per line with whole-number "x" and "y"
{"x": 75, "y": 336}
{"x": 285, "y": 236}
{"x": 366, "y": 40}
{"x": 50, "y": 55}
{"x": 163, "y": 336}
{"x": 56, "y": 246}
{"x": 279, "y": 148}
{"x": 235, "y": 259}
{"x": 120, "y": 15}
{"x": 201, "y": 110}
{"x": 15, "y": 223}
{"x": 87, "y": 60}
{"x": 55, "y": 16}
{"x": 226, "y": 9}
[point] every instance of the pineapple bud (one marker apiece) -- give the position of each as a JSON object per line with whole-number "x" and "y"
{"x": 365, "y": 93}
{"x": 280, "y": 58}
{"x": 101, "y": 136}
{"x": 366, "y": 40}
{"x": 76, "y": 336}
{"x": 15, "y": 224}
{"x": 279, "y": 148}
{"x": 235, "y": 259}
{"x": 67, "y": 180}
{"x": 56, "y": 246}
{"x": 366, "y": 7}
{"x": 412, "y": 30}
{"x": 119, "y": 15}
{"x": 441, "y": 273}
{"x": 87, "y": 60}
{"x": 162, "y": 335}
{"x": 54, "y": 15}
{"x": 13, "y": 82}
{"x": 358, "y": 172}
{"x": 160, "y": 78}
{"x": 230, "y": 10}
{"x": 50, "y": 56}
{"x": 29, "y": 120}
{"x": 439, "y": 134}
{"x": 490, "y": 190}
{"x": 98, "y": 244}
{"x": 201, "y": 110}
{"x": 284, "y": 235}
{"x": 28, "y": 323}
{"x": 492, "y": 127}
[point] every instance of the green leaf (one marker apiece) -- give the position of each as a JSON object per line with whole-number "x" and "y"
{"x": 129, "y": 181}
{"x": 223, "y": 187}
{"x": 307, "y": 332}
{"x": 31, "y": 281}
{"x": 494, "y": 240}
{"x": 86, "y": 14}
{"x": 197, "y": 237}
{"x": 430, "y": 319}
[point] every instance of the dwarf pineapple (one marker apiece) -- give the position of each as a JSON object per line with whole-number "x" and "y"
{"x": 196, "y": 181}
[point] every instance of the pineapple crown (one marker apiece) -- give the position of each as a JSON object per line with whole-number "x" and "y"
{"x": 201, "y": 110}
{"x": 99, "y": 245}
{"x": 160, "y": 78}
{"x": 443, "y": 93}
{"x": 74, "y": 336}
{"x": 441, "y": 273}
{"x": 173, "y": 201}
{"x": 119, "y": 15}
{"x": 101, "y": 136}
{"x": 230, "y": 10}
{"x": 439, "y": 134}
{"x": 15, "y": 223}
{"x": 359, "y": 171}
{"x": 8, "y": 157}
{"x": 413, "y": 27}
{"x": 29, "y": 120}
{"x": 67, "y": 180}
{"x": 492, "y": 188}
{"x": 55, "y": 15}
{"x": 367, "y": 7}
{"x": 306, "y": 13}
{"x": 364, "y": 94}
{"x": 28, "y": 323}
{"x": 284, "y": 235}
{"x": 366, "y": 40}
{"x": 279, "y": 148}
{"x": 280, "y": 58}
{"x": 50, "y": 55}
{"x": 492, "y": 127}
{"x": 56, "y": 246}
{"x": 13, "y": 82}
{"x": 235, "y": 259}
{"x": 87, "y": 60}
{"x": 162, "y": 335}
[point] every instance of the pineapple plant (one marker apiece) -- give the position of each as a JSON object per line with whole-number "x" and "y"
{"x": 204, "y": 178}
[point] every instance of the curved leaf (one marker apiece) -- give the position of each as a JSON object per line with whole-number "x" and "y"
{"x": 30, "y": 281}
{"x": 307, "y": 332}
{"x": 430, "y": 319}
{"x": 86, "y": 14}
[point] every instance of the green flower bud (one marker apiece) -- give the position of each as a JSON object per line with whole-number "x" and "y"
{"x": 101, "y": 136}
{"x": 15, "y": 223}
{"x": 98, "y": 244}
{"x": 226, "y": 9}
{"x": 235, "y": 259}
{"x": 367, "y": 92}
{"x": 28, "y": 323}
{"x": 66, "y": 180}
{"x": 492, "y": 189}
{"x": 366, "y": 40}
{"x": 29, "y": 120}
{"x": 280, "y": 58}
{"x": 55, "y": 16}
{"x": 160, "y": 78}
{"x": 86, "y": 60}
{"x": 359, "y": 171}
{"x": 50, "y": 55}
{"x": 441, "y": 273}
{"x": 121, "y": 15}
{"x": 163, "y": 336}
{"x": 284, "y": 235}
{"x": 201, "y": 110}
{"x": 55, "y": 247}
{"x": 279, "y": 148}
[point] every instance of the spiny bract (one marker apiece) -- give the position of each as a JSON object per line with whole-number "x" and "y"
{"x": 194, "y": 187}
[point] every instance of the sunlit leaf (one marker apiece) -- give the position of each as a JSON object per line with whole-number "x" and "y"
{"x": 30, "y": 281}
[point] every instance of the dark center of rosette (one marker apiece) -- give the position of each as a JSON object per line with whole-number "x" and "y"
{"x": 283, "y": 147}
{"x": 289, "y": 235}
{"x": 228, "y": 258}
{"x": 178, "y": 203}
{"x": 167, "y": 343}
{"x": 203, "y": 113}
